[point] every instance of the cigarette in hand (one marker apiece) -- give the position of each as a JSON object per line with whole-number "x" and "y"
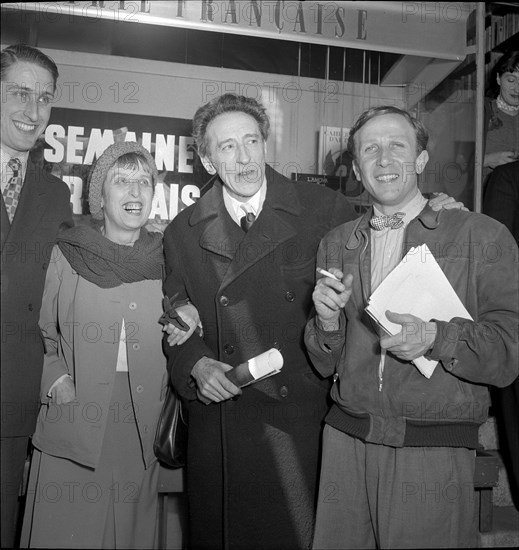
{"x": 327, "y": 273}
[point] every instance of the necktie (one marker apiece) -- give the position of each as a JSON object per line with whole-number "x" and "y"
{"x": 247, "y": 220}
{"x": 13, "y": 188}
{"x": 394, "y": 221}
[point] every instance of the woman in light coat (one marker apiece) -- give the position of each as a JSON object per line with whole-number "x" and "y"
{"x": 93, "y": 479}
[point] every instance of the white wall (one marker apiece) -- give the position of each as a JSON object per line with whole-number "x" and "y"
{"x": 297, "y": 106}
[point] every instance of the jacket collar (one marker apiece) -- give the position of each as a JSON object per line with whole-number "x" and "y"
{"x": 429, "y": 218}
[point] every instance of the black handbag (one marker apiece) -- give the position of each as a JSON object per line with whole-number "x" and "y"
{"x": 170, "y": 445}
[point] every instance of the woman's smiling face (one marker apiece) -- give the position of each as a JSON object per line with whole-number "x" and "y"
{"x": 126, "y": 200}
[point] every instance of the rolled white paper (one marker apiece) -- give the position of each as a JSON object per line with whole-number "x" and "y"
{"x": 266, "y": 363}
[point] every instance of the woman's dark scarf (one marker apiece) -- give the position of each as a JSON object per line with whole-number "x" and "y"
{"x": 108, "y": 264}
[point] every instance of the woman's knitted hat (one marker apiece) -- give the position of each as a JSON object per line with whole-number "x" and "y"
{"x": 104, "y": 163}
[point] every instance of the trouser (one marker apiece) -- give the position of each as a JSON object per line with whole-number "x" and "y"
{"x": 13, "y": 455}
{"x": 374, "y": 496}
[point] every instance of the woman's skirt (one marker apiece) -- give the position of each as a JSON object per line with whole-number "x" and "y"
{"x": 114, "y": 506}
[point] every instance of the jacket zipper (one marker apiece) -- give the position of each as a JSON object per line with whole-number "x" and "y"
{"x": 383, "y": 364}
{"x": 366, "y": 298}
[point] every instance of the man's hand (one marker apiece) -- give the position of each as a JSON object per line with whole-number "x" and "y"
{"x": 414, "y": 340}
{"x": 330, "y": 296}
{"x": 190, "y": 316}
{"x": 497, "y": 159}
{"x": 441, "y": 200}
{"x": 212, "y": 384}
{"x": 63, "y": 392}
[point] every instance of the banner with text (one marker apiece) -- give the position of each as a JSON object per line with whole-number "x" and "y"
{"x": 74, "y": 139}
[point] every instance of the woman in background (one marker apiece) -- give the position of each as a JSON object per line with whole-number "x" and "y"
{"x": 93, "y": 479}
{"x": 502, "y": 114}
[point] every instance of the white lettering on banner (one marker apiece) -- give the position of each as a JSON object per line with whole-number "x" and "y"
{"x": 69, "y": 144}
{"x": 72, "y": 145}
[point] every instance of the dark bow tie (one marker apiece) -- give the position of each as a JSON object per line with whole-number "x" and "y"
{"x": 394, "y": 221}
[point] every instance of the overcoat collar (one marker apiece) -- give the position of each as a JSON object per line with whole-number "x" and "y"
{"x": 221, "y": 235}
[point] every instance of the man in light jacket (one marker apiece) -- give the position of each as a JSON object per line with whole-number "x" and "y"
{"x": 399, "y": 448}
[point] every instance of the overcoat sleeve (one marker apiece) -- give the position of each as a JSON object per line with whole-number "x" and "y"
{"x": 181, "y": 359}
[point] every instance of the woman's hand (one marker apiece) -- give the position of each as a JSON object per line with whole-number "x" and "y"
{"x": 497, "y": 159}
{"x": 63, "y": 392}
{"x": 190, "y": 316}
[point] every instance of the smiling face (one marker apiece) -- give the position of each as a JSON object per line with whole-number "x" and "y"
{"x": 126, "y": 201}
{"x": 509, "y": 87}
{"x": 27, "y": 92}
{"x": 237, "y": 152}
{"x": 387, "y": 162}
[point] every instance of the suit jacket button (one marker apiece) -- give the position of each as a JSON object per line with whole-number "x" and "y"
{"x": 139, "y": 389}
{"x": 224, "y": 301}
{"x": 283, "y": 391}
{"x": 228, "y": 349}
{"x": 30, "y": 307}
{"x": 290, "y": 296}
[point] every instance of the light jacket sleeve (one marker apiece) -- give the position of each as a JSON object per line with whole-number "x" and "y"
{"x": 325, "y": 347}
{"x": 54, "y": 366}
{"x": 486, "y": 350}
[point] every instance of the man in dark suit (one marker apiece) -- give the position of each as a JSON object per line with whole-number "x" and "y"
{"x": 35, "y": 205}
{"x": 244, "y": 254}
{"x": 502, "y": 203}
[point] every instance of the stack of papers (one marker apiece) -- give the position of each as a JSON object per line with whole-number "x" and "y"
{"x": 266, "y": 364}
{"x": 417, "y": 286}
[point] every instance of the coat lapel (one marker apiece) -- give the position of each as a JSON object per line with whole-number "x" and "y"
{"x": 221, "y": 235}
{"x": 5, "y": 225}
{"x": 272, "y": 228}
{"x": 33, "y": 201}
{"x": 30, "y": 209}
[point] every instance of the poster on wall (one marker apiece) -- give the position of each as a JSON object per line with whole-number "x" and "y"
{"x": 334, "y": 163}
{"x": 75, "y": 138}
{"x": 333, "y": 158}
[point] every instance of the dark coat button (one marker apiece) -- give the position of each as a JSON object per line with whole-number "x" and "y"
{"x": 283, "y": 391}
{"x": 228, "y": 349}
{"x": 30, "y": 307}
{"x": 290, "y": 296}
{"x": 224, "y": 301}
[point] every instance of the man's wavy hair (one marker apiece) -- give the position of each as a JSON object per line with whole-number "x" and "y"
{"x": 21, "y": 53}
{"x": 422, "y": 136}
{"x": 227, "y": 103}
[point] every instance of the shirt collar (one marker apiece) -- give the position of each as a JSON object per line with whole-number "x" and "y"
{"x": 254, "y": 204}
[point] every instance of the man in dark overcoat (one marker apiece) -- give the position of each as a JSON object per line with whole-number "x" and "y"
{"x": 34, "y": 206}
{"x": 253, "y": 457}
